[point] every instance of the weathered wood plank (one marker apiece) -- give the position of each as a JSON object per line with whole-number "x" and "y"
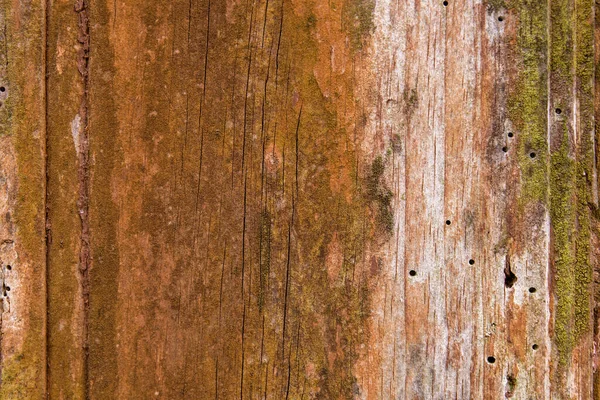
{"x": 22, "y": 201}
{"x": 65, "y": 132}
{"x": 290, "y": 199}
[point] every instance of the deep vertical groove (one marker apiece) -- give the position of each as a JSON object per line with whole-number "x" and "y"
{"x": 297, "y": 356}
{"x": 289, "y": 374}
{"x": 262, "y": 345}
{"x": 278, "y": 46}
{"x": 217, "y": 379}
{"x": 200, "y": 115}
{"x": 81, "y": 8}
{"x": 263, "y": 208}
{"x": 266, "y": 380}
{"x": 287, "y": 280}
{"x": 247, "y": 86}
{"x": 47, "y": 237}
{"x": 233, "y": 114}
{"x": 221, "y": 284}
{"x": 297, "y": 150}
{"x": 200, "y": 130}
{"x": 264, "y": 198}
{"x": 242, "y": 372}
{"x": 265, "y": 23}
{"x": 242, "y": 297}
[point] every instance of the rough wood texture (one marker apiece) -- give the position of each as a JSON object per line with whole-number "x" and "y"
{"x": 296, "y": 199}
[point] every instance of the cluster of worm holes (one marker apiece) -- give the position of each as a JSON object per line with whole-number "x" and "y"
{"x": 532, "y": 154}
{"x": 510, "y": 280}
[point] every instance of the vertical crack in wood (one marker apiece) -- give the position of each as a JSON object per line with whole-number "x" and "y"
{"x": 47, "y": 225}
{"x": 242, "y": 285}
{"x": 250, "y": 54}
{"x": 81, "y": 8}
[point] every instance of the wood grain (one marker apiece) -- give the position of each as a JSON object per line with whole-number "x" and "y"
{"x": 293, "y": 199}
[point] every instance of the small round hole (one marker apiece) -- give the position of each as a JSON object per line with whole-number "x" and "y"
{"x": 448, "y": 222}
{"x": 412, "y": 272}
{"x": 500, "y": 18}
{"x": 505, "y": 149}
{"x": 510, "y": 134}
{"x": 9, "y": 267}
{"x": 535, "y": 347}
{"x": 532, "y": 290}
{"x": 2, "y": 89}
{"x": 471, "y": 262}
{"x": 558, "y": 111}
{"x": 7, "y": 288}
{"x": 532, "y": 154}
{"x": 445, "y": 3}
{"x": 491, "y": 359}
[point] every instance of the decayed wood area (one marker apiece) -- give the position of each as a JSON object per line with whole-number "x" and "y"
{"x": 298, "y": 199}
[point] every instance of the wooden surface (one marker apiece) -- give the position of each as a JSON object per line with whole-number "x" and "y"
{"x": 297, "y": 199}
